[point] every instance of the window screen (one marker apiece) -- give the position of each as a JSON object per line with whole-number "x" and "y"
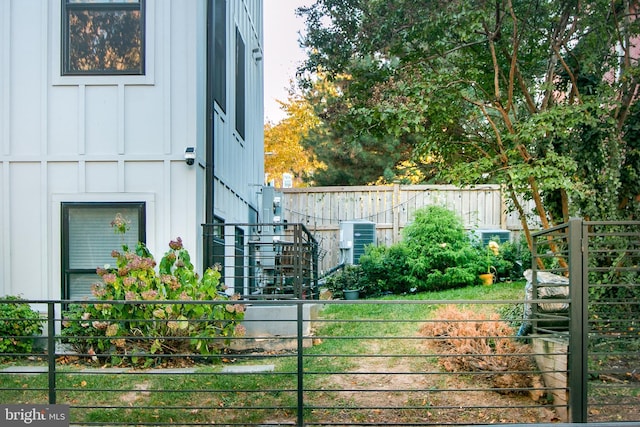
{"x": 89, "y": 240}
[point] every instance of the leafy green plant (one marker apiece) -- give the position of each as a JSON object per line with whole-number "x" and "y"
{"x": 435, "y": 254}
{"x": 386, "y": 268}
{"x": 19, "y": 325}
{"x": 350, "y": 277}
{"x": 518, "y": 255}
{"x": 148, "y": 329}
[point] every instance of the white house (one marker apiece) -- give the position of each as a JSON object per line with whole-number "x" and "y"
{"x": 101, "y": 103}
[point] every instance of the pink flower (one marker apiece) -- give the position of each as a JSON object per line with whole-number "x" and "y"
{"x": 176, "y": 244}
{"x": 98, "y": 290}
{"x": 128, "y": 281}
{"x": 109, "y": 278}
{"x": 240, "y": 330}
{"x": 149, "y": 294}
{"x": 235, "y": 308}
{"x": 100, "y": 325}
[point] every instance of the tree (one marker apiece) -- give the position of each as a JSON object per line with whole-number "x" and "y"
{"x": 283, "y": 152}
{"x": 537, "y": 95}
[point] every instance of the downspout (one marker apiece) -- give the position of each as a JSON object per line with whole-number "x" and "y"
{"x": 209, "y": 135}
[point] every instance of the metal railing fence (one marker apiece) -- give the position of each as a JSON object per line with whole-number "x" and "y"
{"x": 308, "y": 362}
{"x": 597, "y": 309}
{"x": 264, "y": 261}
{"x": 365, "y": 362}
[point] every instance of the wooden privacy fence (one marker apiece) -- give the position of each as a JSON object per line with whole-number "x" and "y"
{"x": 322, "y": 209}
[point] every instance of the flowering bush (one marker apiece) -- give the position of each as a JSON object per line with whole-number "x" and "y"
{"x": 143, "y": 330}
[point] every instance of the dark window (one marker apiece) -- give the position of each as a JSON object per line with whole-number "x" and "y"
{"x": 88, "y": 240}
{"x": 220, "y": 54}
{"x": 103, "y": 37}
{"x": 239, "y": 260}
{"x": 240, "y": 76}
{"x": 219, "y": 247}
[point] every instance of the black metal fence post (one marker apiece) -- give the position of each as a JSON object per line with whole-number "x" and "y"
{"x": 51, "y": 350}
{"x": 300, "y": 332}
{"x": 578, "y": 329}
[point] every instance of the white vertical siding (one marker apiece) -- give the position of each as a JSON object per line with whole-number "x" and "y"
{"x": 116, "y": 138}
{"x": 239, "y": 163}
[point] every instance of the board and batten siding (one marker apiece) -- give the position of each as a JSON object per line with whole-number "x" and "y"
{"x": 115, "y": 138}
{"x": 391, "y": 208}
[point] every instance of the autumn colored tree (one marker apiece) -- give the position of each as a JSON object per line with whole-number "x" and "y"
{"x": 537, "y": 95}
{"x": 283, "y": 152}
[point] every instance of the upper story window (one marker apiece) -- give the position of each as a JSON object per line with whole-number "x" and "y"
{"x": 103, "y": 37}
{"x": 240, "y": 85}
{"x": 220, "y": 54}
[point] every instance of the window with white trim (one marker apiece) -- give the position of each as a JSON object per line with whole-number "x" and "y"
{"x": 88, "y": 240}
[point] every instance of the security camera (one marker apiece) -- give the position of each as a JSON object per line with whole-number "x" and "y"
{"x": 190, "y": 155}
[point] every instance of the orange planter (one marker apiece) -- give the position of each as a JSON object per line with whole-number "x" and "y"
{"x": 487, "y": 279}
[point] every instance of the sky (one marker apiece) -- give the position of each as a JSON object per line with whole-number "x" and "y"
{"x": 282, "y": 53}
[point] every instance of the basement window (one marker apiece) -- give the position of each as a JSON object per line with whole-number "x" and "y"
{"x": 88, "y": 240}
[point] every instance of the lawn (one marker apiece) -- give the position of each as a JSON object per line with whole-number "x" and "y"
{"x": 378, "y": 338}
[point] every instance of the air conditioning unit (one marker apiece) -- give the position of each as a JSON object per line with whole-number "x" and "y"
{"x": 485, "y": 236}
{"x": 355, "y": 236}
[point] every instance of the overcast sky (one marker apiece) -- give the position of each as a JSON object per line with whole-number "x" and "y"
{"x": 282, "y": 53}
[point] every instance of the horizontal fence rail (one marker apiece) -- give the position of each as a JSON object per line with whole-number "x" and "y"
{"x": 588, "y": 273}
{"x": 265, "y": 261}
{"x": 299, "y": 362}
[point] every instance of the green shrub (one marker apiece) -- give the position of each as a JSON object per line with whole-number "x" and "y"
{"x": 153, "y": 329}
{"x": 19, "y": 325}
{"x": 506, "y": 260}
{"x": 518, "y": 254}
{"x": 441, "y": 253}
{"x": 350, "y": 277}
{"x": 386, "y": 268}
{"x": 435, "y": 254}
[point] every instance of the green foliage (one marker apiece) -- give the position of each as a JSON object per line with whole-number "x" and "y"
{"x": 150, "y": 329}
{"x": 514, "y": 259}
{"x": 440, "y": 251}
{"x": 435, "y": 254}
{"x": 613, "y": 278}
{"x": 19, "y": 324}
{"x": 388, "y": 268}
{"x": 350, "y": 277}
{"x": 473, "y": 89}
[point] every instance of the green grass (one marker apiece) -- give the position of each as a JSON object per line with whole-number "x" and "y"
{"x": 210, "y": 396}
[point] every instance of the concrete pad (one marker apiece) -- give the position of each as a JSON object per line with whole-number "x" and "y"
{"x": 249, "y": 369}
